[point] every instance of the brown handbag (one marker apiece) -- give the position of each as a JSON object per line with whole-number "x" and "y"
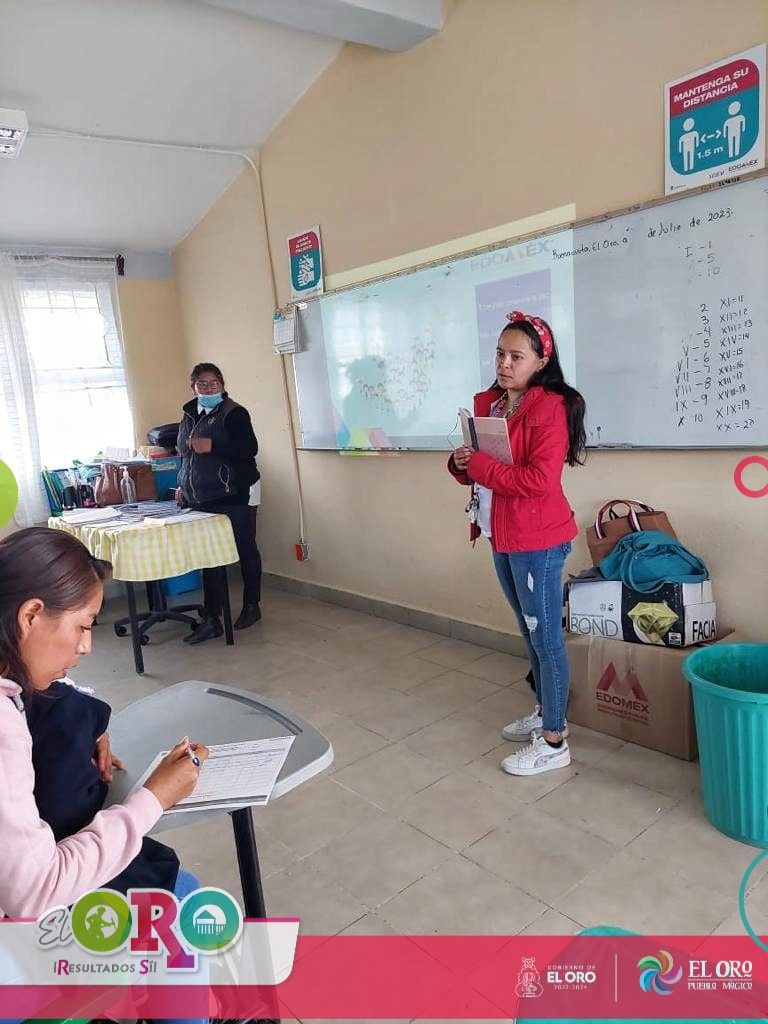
{"x": 604, "y": 534}
{"x": 106, "y": 487}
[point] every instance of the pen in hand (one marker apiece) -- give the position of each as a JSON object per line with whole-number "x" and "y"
{"x": 191, "y": 754}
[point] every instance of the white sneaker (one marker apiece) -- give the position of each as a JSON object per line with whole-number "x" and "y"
{"x": 528, "y": 727}
{"x": 522, "y": 728}
{"x": 536, "y": 758}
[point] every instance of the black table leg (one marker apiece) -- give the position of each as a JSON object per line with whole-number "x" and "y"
{"x": 226, "y": 608}
{"x": 253, "y": 893}
{"x": 248, "y": 863}
{"x": 138, "y": 657}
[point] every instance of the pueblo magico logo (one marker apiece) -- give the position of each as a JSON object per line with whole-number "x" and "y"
{"x": 622, "y": 696}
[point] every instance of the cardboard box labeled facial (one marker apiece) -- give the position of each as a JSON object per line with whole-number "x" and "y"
{"x": 673, "y": 615}
{"x": 634, "y": 692}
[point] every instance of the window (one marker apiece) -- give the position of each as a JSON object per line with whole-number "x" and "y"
{"x": 72, "y": 329}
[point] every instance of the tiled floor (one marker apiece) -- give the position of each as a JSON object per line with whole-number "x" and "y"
{"x": 414, "y": 829}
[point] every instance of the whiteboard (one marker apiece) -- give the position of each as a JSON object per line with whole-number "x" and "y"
{"x": 660, "y": 316}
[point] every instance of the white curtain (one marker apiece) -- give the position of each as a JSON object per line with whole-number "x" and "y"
{"x": 19, "y": 444}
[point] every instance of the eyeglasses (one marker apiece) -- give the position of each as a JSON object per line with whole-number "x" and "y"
{"x": 211, "y": 384}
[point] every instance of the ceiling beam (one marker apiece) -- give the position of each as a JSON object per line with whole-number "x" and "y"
{"x": 385, "y": 24}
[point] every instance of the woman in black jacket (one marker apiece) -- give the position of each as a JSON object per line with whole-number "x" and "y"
{"x": 218, "y": 449}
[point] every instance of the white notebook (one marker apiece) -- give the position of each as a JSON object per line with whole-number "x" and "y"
{"x": 234, "y": 775}
{"x": 487, "y": 434}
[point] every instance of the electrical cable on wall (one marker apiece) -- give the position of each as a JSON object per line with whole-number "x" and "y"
{"x": 302, "y": 549}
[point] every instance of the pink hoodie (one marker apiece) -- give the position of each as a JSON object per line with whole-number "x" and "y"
{"x": 36, "y": 873}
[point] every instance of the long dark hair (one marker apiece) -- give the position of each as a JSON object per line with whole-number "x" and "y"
{"x": 50, "y": 565}
{"x": 551, "y": 378}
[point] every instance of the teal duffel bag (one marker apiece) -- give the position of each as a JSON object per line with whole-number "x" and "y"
{"x": 644, "y": 561}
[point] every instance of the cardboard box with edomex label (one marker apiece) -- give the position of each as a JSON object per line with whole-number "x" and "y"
{"x": 635, "y": 692}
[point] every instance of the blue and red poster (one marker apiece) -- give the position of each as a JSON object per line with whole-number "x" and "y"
{"x": 715, "y": 122}
{"x": 306, "y": 264}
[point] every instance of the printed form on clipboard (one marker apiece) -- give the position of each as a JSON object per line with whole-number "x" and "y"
{"x": 234, "y": 774}
{"x": 487, "y": 434}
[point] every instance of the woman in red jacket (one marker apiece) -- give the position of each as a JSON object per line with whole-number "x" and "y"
{"x": 522, "y": 510}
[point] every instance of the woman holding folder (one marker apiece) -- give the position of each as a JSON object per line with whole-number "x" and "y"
{"x": 523, "y": 511}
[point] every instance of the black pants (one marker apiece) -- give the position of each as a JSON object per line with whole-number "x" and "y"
{"x": 250, "y": 560}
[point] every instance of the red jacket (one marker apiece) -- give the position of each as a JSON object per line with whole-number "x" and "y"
{"x": 529, "y": 511}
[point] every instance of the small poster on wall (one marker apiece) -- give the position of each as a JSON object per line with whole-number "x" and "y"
{"x": 306, "y": 264}
{"x": 714, "y": 122}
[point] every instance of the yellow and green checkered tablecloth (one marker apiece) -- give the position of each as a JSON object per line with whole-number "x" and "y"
{"x": 139, "y": 553}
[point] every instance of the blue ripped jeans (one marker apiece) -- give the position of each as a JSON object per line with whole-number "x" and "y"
{"x": 532, "y": 582}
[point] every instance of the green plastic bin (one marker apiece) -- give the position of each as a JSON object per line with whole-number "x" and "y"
{"x": 730, "y": 700}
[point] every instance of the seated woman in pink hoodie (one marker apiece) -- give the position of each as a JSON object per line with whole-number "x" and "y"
{"x": 50, "y": 592}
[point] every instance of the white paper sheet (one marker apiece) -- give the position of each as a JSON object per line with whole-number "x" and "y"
{"x": 234, "y": 775}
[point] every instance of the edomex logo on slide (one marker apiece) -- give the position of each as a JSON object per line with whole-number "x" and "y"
{"x": 658, "y": 973}
{"x": 147, "y": 921}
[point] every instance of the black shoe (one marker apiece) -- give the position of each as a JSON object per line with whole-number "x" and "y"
{"x": 251, "y": 613}
{"x": 207, "y": 630}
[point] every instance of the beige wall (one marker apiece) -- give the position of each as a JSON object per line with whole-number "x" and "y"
{"x": 155, "y": 364}
{"x": 226, "y": 301}
{"x": 515, "y": 108}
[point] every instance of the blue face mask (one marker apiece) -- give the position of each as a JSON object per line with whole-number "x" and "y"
{"x": 210, "y": 401}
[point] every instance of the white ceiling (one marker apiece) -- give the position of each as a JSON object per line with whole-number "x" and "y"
{"x": 178, "y": 71}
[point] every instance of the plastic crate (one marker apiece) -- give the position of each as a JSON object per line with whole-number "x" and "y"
{"x": 182, "y": 584}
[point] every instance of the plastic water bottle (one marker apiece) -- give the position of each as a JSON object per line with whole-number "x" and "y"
{"x": 127, "y": 488}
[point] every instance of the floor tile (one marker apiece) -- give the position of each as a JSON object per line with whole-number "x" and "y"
{"x": 501, "y": 707}
{"x": 684, "y": 842}
{"x": 314, "y": 814}
{"x": 390, "y": 713}
{"x": 502, "y": 669}
{"x": 756, "y": 909}
{"x": 540, "y": 854}
{"x": 453, "y": 691}
{"x": 323, "y": 907}
{"x": 552, "y": 922}
{"x": 390, "y": 776}
{"x": 370, "y": 924}
{"x": 401, "y": 673}
{"x": 453, "y": 653}
{"x": 453, "y": 741}
{"x": 634, "y": 893}
{"x": 589, "y": 747}
{"x": 607, "y": 807}
{"x": 397, "y": 641}
{"x": 480, "y": 903}
{"x": 656, "y": 771}
{"x": 456, "y": 810}
{"x": 350, "y": 741}
{"x": 375, "y": 863}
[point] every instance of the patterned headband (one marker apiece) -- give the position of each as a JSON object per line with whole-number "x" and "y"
{"x": 547, "y": 342}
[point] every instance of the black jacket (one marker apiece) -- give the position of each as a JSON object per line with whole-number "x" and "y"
{"x": 64, "y": 724}
{"x": 225, "y": 474}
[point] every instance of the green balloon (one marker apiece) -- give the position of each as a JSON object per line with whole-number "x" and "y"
{"x": 9, "y": 494}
